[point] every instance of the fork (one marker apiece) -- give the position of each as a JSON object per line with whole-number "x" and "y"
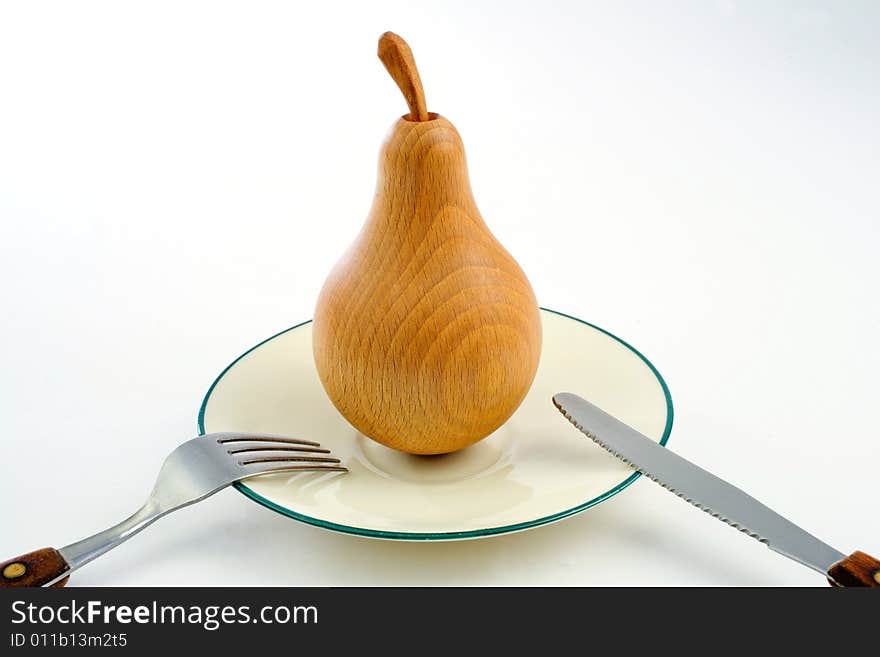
{"x": 193, "y": 471}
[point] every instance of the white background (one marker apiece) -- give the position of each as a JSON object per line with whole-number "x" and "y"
{"x": 701, "y": 179}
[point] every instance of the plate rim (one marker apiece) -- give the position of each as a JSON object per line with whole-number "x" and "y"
{"x": 444, "y": 536}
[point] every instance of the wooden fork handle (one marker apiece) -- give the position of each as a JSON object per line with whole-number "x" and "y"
{"x": 34, "y": 569}
{"x": 858, "y": 569}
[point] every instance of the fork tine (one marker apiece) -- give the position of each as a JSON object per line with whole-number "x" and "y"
{"x": 275, "y": 448}
{"x": 292, "y": 459}
{"x": 257, "y": 453}
{"x": 253, "y": 472}
{"x": 264, "y": 438}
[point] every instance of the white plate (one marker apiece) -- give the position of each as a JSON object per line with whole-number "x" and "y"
{"x": 534, "y": 470}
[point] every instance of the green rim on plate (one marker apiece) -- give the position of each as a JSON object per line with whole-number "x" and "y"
{"x": 445, "y": 536}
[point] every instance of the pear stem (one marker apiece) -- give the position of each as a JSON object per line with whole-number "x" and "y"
{"x": 401, "y": 65}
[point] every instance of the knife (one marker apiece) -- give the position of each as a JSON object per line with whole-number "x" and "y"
{"x": 717, "y": 497}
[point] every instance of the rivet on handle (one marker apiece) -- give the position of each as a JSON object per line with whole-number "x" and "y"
{"x": 14, "y": 570}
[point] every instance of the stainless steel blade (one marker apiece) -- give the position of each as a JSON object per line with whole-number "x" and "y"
{"x": 699, "y": 487}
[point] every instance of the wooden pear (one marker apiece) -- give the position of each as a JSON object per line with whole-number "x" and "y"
{"x": 427, "y": 334}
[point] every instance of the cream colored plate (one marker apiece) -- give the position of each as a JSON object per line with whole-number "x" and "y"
{"x": 535, "y": 469}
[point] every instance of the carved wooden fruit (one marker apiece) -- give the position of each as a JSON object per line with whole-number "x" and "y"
{"x": 427, "y": 334}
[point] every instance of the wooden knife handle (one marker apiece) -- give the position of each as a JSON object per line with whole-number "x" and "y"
{"x": 34, "y": 569}
{"x": 858, "y": 569}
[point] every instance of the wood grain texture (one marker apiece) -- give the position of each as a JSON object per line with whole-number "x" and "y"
{"x": 427, "y": 334}
{"x": 398, "y": 59}
{"x": 858, "y": 569}
{"x": 34, "y": 569}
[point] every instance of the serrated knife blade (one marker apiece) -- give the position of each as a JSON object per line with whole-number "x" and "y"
{"x": 703, "y": 489}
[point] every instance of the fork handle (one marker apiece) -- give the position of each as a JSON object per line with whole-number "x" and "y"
{"x": 44, "y": 567}
{"x": 35, "y": 568}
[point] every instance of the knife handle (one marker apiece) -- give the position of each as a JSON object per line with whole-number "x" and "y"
{"x": 858, "y": 569}
{"x": 34, "y": 569}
